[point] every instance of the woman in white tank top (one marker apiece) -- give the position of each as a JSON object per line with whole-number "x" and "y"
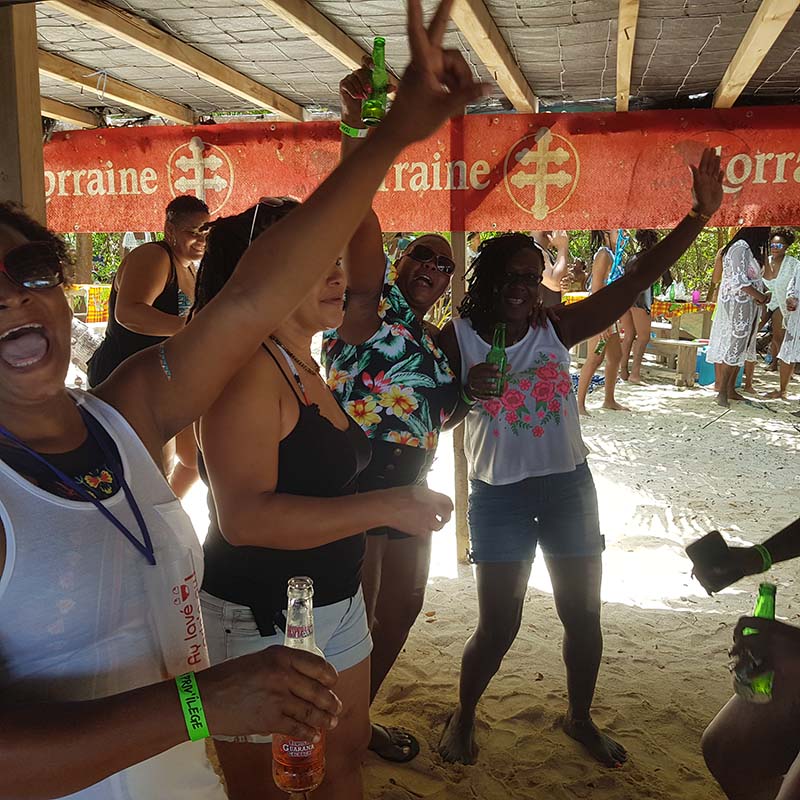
{"x": 529, "y": 480}
{"x": 82, "y": 685}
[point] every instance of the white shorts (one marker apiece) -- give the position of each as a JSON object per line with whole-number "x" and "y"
{"x": 341, "y": 632}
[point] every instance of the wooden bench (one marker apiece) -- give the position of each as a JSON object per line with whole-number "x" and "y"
{"x": 684, "y": 354}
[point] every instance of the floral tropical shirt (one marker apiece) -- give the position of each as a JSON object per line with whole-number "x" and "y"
{"x": 397, "y": 385}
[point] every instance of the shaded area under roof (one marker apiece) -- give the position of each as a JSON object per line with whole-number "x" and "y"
{"x": 565, "y": 48}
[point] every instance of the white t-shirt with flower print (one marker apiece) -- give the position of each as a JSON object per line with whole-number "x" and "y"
{"x": 534, "y": 428}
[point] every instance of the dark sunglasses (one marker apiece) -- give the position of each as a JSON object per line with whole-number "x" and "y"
{"x": 777, "y": 245}
{"x": 425, "y": 255}
{"x": 33, "y": 265}
{"x": 525, "y": 278}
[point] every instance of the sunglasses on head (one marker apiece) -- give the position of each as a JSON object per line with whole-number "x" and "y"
{"x": 424, "y": 255}
{"x": 33, "y": 265}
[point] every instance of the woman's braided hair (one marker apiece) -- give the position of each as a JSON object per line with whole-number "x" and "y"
{"x": 486, "y": 275}
{"x": 228, "y": 238}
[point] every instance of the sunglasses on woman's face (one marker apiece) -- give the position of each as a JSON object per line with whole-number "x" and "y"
{"x": 777, "y": 245}
{"x": 33, "y": 265}
{"x": 424, "y": 255}
{"x": 524, "y": 278}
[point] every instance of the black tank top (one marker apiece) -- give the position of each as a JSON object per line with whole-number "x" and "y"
{"x": 315, "y": 460}
{"x": 120, "y": 343}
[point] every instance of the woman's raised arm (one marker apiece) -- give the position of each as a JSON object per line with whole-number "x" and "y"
{"x": 580, "y": 321}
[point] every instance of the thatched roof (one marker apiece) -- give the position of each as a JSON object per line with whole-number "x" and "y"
{"x": 565, "y": 51}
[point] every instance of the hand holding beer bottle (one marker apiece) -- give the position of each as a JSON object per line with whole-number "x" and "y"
{"x": 354, "y": 89}
{"x": 775, "y": 649}
{"x": 437, "y": 84}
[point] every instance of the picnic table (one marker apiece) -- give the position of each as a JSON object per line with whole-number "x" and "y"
{"x": 680, "y": 354}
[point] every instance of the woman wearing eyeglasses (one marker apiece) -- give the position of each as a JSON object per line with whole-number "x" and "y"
{"x": 778, "y": 274}
{"x": 152, "y": 293}
{"x": 87, "y": 708}
{"x": 529, "y": 480}
{"x": 789, "y": 354}
{"x": 389, "y": 374}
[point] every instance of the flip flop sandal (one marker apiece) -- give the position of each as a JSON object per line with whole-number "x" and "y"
{"x": 399, "y": 740}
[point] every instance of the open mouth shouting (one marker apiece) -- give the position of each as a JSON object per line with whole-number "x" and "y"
{"x": 24, "y": 346}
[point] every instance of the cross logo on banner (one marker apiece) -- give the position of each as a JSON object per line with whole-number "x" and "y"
{"x": 541, "y": 190}
{"x": 205, "y": 171}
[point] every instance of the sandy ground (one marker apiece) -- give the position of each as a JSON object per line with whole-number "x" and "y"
{"x": 664, "y": 479}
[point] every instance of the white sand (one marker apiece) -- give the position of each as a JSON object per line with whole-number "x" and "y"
{"x": 663, "y": 482}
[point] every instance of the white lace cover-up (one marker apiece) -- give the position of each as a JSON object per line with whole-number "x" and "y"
{"x": 790, "y": 349}
{"x": 733, "y": 334}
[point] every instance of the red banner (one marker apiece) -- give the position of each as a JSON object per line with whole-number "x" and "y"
{"x": 482, "y": 172}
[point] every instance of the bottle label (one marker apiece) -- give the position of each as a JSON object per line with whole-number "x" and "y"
{"x": 299, "y": 631}
{"x": 295, "y": 748}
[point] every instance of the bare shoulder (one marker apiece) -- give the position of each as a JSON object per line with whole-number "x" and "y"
{"x": 448, "y": 342}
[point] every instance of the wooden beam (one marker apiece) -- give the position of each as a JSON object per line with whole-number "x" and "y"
{"x": 302, "y": 15}
{"x": 767, "y": 25}
{"x": 55, "y": 109}
{"x": 626, "y": 41}
{"x": 21, "y": 159}
{"x": 62, "y": 69}
{"x": 83, "y": 257}
{"x": 484, "y": 37}
{"x": 460, "y": 467}
{"x": 153, "y": 40}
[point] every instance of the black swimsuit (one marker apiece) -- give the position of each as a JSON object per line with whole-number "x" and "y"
{"x": 315, "y": 460}
{"x": 119, "y": 342}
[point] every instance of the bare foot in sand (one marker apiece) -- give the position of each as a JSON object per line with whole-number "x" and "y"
{"x": 749, "y": 390}
{"x": 457, "y": 744}
{"x": 624, "y": 374}
{"x": 583, "y": 412}
{"x": 635, "y": 379}
{"x": 602, "y": 747}
{"x": 722, "y": 400}
{"x": 736, "y": 396}
{"x": 776, "y": 395}
{"x": 615, "y": 406}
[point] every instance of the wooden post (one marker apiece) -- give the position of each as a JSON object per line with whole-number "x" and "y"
{"x": 459, "y": 240}
{"x": 83, "y": 258}
{"x": 21, "y": 158}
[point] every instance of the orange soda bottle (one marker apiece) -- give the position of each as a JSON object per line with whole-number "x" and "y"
{"x": 299, "y": 766}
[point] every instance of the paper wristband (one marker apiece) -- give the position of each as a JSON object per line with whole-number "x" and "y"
{"x": 766, "y": 556}
{"x": 192, "y": 705}
{"x": 353, "y": 133}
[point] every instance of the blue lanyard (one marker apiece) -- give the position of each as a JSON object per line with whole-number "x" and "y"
{"x": 97, "y": 432}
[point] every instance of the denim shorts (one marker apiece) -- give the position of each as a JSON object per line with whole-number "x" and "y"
{"x": 559, "y": 512}
{"x": 341, "y": 632}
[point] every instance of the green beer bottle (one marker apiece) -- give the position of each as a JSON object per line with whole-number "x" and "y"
{"x": 497, "y": 356}
{"x": 758, "y": 689}
{"x": 373, "y": 109}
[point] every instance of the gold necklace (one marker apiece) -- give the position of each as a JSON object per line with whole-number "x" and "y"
{"x": 298, "y": 361}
